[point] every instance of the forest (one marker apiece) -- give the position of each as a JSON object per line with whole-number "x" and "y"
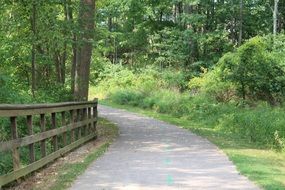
{"x": 216, "y": 67}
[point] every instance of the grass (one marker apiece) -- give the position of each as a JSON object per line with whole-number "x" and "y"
{"x": 68, "y": 172}
{"x": 263, "y": 166}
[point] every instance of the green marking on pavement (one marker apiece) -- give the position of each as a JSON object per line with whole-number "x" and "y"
{"x": 167, "y": 161}
{"x": 169, "y": 180}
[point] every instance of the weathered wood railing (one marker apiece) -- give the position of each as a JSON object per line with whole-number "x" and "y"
{"x": 80, "y": 128}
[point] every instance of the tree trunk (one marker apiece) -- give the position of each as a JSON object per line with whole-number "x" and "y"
{"x": 84, "y": 49}
{"x": 281, "y": 12}
{"x": 63, "y": 57}
{"x": 275, "y": 17}
{"x": 63, "y": 64}
{"x": 33, "y": 28}
{"x": 232, "y": 25}
{"x": 240, "y": 22}
{"x": 115, "y": 50}
{"x": 73, "y": 67}
{"x": 174, "y": 12}
{"x": 57, "y": 66}
{"x": 69, "y": 14}
{"x": 110, "y": 23}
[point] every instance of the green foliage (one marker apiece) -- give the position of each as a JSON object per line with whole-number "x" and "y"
{"x": 6, "y": 164}
{"x": 6, "y": 93}
{"x": 52, "y": 48}
{"x": 127, "y": 97}
{"x": 210, "y": 84}
{"x": 256, "y": 70}
{"x": 115, "y": 77}
{"x": 159, "y": 55}
{"x": 53, "y": 93}
{"x": 153, "y": 90}
{"x": 9, "y": 93}
{"x": 263, "y": 125}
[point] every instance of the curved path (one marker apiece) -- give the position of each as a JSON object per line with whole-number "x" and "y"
{"x": 153, "y": 155}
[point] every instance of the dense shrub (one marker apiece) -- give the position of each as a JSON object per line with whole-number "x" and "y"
{"x": 211, "y": 102}
{"x": 116, "y": 77}
{"x": 127, "y": 97}
{"x": 263, "y": 125}
{"x": 211, "y": 85}
{"x": 9, "y": 92}
{"x": 256, "y": 70}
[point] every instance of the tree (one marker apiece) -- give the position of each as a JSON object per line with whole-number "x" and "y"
{"x": 84, "y": 49}
{"x": 240, "y": 22}
{"x": 275, "y": 17}
{"x": 33, "y": 28}
{"x": 184, "y": 34}
{"x": 256, "y": 69}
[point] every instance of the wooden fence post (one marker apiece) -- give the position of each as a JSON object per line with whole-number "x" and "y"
{"x": 89, "y": 123}
{"x": 53, "y": 126}
{"x": 43, "y": 129}
{"x": 72, "y": 120}
{"x": 63, "y": 123}
{"x": 15, "y": 150}
{"x": 95, "y": 116}
{"x": 30, "y": 132}
{"x": 83, "y": 119}
{"x": 78, "y": 117}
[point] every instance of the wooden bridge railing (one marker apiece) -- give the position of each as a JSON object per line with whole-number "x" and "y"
{"x": 80, "y": 127}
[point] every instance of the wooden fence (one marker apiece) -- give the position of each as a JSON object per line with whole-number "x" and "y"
{"x": 72, "y": 132}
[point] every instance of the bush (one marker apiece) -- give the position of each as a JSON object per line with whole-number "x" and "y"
{"x": 126, "y": 97}
{"x": 116, "y": 77}
{"x": 211, "y": 85}
{"x": 175, "y": 80}
{"x": 9, "y": 93}
{"x": 150, "y": 89}
{"x": 256, "y": 70}
{"x": 263, "y": 125}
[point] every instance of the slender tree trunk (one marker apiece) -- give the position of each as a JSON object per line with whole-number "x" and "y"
{"x": 240, "y": 22}
{"x": 110, "y": 23}
{"x": 57, "y": 66}
{"x": 74, "y": 64}
{"x": 281, "y": 12}
{"x": 74, "y": 40}
{"x": 111, "y": 55}
{"x": 33, "y": 28}
{"x": 174, "y": 12}
{"x": 193, "y": 43}
{"x": 213, "y": 13}
{"x": 115, "y": 50}
{"x": 84, "y": 49}
{"x": 63, "y": 57}
{"x": 275, "y": 17}
{"x": 63, "y": 63}
{"x": 232, "y": 26}
{"x": 179, "y": 11}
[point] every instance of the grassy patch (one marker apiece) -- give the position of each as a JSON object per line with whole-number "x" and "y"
{"x": 69, "y": 172}
{"x": 260, "y": 164}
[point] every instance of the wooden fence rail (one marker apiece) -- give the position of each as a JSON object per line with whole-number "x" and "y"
{"x": 80, "y": 128}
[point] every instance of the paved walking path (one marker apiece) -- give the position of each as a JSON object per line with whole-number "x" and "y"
{"x": 153, "y": 155}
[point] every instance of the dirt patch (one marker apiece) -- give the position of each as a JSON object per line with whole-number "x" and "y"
{"x": 46, "y": 177}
